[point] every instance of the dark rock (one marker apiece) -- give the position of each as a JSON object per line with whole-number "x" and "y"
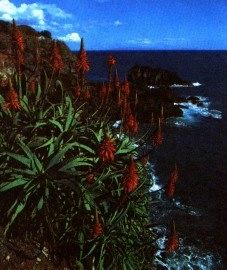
{"x": 193, "y": 99}
{"x": 161, "y": 267}
{"x": 174, "y": 110}
{"x": 154, "y": 76}
{"x": 46, "y": 34}
{"x": 183, "y": 106}
{"x": 180, "y": 99}
{"x": 4, "y": 26}
{"x": 28, "y": 30}
{"x": 200, "y": 104}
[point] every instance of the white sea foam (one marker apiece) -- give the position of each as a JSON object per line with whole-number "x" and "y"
{"x": 179, "y": 85}
{"x": 152, "y": 87}
{"x": 154, "y": 179}
{"x": 193, "y": 110}
{"x": 117, "y": 124}
{"x": 196, "y": 84}
{"x": 187, "y": 209}
{"x": 193, "y": 113}
{"x": 187, "y": 257}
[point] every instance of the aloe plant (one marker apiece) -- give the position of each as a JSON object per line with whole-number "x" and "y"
{"x": 63, "y": 174}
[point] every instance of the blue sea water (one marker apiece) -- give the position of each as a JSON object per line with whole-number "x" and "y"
{"x": 197, "y": 142}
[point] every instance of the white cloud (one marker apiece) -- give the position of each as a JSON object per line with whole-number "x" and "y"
{"x": 141, "y": 41}
{"x": 74, "y": 37}
{"x": 53, "y": 10}
{"x": 6, "y": 17}
{"x": 118, "y": 23}
{"x": 102, "y": 1}
{"x": 169, "y": 40}
{"x": 35, "y": 13}
{"x": 6, "y": 7}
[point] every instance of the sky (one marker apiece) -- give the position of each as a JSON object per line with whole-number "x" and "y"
{"x": 126, "y": 24}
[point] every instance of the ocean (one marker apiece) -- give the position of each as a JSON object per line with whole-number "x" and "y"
{"x": 197, "y": 142}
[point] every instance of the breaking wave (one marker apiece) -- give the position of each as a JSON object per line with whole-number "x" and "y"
{"x": 193, "y": 113}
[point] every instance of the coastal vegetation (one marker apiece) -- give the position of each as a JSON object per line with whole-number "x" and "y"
{"x": 75, "y": 190}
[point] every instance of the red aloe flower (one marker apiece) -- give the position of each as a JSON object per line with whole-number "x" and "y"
{"x": 126, "y": 108}
{"x": 77, "y": 91}
{"x": 90, "y": 178}
{"x": 56, "y": 59}
{"x": 116, "y": 80}
{"x": 171, "y": 184}
{"x": 144, "y": 160}
{"x": 173, "y": 241}
{"x": 87, "y": 95}
{"x": 97, "y": 230}
{"x": 17, "y": 46}
{"x": 130, "y": 177}
{"x": 18, "y": 38}
{"x": 122, "y": 101}
{"x": 103, "y": 92}
{"x": 109, "y": 88}
{"x": 32, "y": 86}
{"x": 13, "y": 101}
{"x": 175, "y": 173}
{"x": 107, "y": 150}
{"x": 158, "y": 137}
{"x": 111, "y": 61}
{"x": 130, "y": 124}
{"x": 125, "y": 88}
{"x": 82, "y": 63}
{"x": 4, "y": 82}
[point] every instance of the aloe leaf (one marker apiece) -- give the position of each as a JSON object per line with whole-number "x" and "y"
{"x": 76, "y": 162}
{"x": 56, "y": 159}
{"x": 85, "y": 147}
{"x": 24, "y": 104}
{"x": 56, "y": 123}
{"x": 120, "y": 216}
{"x": 44, "y": 80}
{"x": 37, "y": 142}
{"x": 59, "y": 85}
{"x": 60, "y": 109}
{"x": 26, "y": 171}
{"x": 79, "y": 265}
{"x": 47, "y": 192}
{"x": 2, "y": 100}
{"x": 40, "y": 204}
{"x": 38, "y": 164}
{"x": 46, "y": 143}
{"x": 90, "y": 251}
{"x": 39, "y": 92}
{"x": 70, "y": 115}
{"x": 11, "y": 185}
{"x": 99, "y": 135}
{"x": 18, "y": 209}
{"x": 25, "y": 148}
{"x": 20, "y": 158}
{"x": 125, "y": 146}
{"x": 51, "y": 150}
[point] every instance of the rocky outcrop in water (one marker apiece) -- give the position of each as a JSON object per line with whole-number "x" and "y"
{"x": 154, "y": 76}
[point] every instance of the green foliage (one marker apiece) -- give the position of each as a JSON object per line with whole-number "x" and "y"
{"x": 47, "y": 152}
